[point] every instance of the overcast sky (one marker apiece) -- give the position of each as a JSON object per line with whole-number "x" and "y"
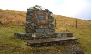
{"x": 72, "y": 8}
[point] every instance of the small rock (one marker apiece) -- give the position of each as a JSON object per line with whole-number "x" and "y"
{"x": 1, "y": 23}
{"x": 20, "y": 24}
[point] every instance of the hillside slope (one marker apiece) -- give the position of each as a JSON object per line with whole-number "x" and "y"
{"x": 9, "y": 44}
{"x": 12, "y": 17}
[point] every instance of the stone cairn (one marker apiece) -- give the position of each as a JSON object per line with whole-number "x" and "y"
{"x": 37, "y": 27}
{"x": 32, "y": 24}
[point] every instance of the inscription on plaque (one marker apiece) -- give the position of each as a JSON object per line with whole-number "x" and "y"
{"x": 41, "y": 17}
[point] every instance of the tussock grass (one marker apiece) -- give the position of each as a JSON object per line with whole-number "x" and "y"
{"x": 12, "y": 17}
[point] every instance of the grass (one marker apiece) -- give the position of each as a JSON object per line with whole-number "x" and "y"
{"x": 12, "y": 17}
{"x": 11, "y": 45}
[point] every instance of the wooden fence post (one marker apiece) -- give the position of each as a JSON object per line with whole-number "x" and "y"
{"x": 76, "y": 23}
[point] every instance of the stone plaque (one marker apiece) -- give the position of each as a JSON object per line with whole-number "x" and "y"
{"x": 41, "y": 17}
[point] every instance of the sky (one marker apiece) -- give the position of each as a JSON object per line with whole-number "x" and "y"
{"x": 72, "y": 8}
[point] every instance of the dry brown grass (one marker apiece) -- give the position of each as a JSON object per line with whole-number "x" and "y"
{"x": 12, "y": 17}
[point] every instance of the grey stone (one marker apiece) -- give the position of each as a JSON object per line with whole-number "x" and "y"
{"x": 1, "y": 23}
{"x": 20, "y": 24}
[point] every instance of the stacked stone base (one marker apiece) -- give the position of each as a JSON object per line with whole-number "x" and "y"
{"x": 26, "y": 36}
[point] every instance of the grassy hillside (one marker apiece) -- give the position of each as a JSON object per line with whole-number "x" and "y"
{"x": 12, "y": 17}
{"x": 12, "y": 45}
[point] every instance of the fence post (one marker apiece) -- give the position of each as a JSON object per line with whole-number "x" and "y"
{"x": 76, "y": 23}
